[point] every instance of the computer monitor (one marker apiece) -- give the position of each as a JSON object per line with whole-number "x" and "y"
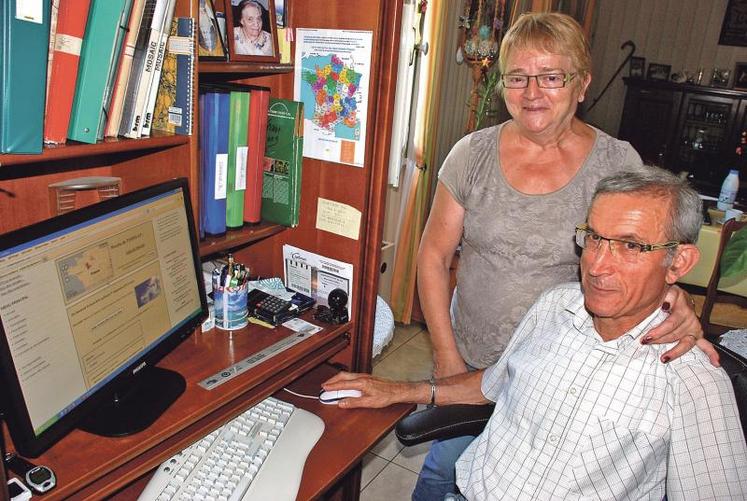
{"x": 89, "y": 302}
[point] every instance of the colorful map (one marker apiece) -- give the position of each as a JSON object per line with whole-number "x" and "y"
{"x": 333, "y": 86}
{"x": 85, "y": 270}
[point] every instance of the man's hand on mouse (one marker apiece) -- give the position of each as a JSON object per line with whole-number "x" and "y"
{"x": 375, "y": 392}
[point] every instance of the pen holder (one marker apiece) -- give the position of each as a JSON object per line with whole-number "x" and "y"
{"x": 230, "y": 307}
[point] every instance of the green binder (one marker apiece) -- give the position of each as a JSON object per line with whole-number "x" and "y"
{"x": 281, "y": 185}
{"x": 24, "y": 43}
{"x": 96, "y": 56}
{"x": 237, "y": 149}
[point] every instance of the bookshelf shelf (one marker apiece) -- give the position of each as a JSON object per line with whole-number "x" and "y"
{"x": 108, "y": 146}
{"x": 241, "y": 68}
{"x": 234, "y": 239}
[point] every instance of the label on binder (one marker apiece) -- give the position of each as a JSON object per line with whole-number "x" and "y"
{"x": 68, "y": 44}
{"x": 30, "y": 10}
{"x": 240, "y": 181}
{"x": 221, "y": 175}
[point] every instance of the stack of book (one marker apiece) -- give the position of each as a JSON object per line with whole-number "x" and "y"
{"x": 85, "y": 69}
{"x": 251, "y": 148}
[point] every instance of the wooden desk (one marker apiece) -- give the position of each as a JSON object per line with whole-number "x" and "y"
{"x": 708, "y": 241}
{"x": 92, "y": 467}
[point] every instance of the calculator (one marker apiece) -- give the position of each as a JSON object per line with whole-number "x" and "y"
{"x": 269, "y": 308}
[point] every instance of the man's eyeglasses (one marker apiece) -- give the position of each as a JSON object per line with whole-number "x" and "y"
{"x": 544, "y": 80}
{"x": 589, "y": 240}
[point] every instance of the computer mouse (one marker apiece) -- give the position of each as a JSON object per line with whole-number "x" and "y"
{"x": 333, "y": 396}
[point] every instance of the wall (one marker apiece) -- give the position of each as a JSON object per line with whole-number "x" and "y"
{"x": 681, "y": 33}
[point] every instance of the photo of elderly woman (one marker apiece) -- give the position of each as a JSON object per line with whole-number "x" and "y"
{"x": 253, "y": 28}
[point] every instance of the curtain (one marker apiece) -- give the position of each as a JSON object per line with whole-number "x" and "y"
{"x": 419, "y": 163}
{"x": 403, "y": 96}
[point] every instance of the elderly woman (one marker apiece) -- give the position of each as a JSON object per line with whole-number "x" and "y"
{"x": 512, "y": 195}
{"x": 249, "y": 38}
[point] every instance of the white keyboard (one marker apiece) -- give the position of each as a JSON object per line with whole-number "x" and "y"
{"x": 260, "y": 454}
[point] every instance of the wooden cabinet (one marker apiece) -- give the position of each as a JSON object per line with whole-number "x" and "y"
{"x": 685, "y": 128}
{"x": 24, "y": 181}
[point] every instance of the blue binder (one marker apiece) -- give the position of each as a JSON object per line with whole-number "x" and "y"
{"x": 24, "y": 43}
{"x": 214, "y": 114}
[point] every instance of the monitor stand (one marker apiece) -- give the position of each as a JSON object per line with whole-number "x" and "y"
{"x": 135, "y": 408}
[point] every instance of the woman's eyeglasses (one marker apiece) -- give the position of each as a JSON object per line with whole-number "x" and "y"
{"x": 544, "y": 80}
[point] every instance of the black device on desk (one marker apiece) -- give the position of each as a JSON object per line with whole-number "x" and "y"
{"x": 89, "y": 302}
{"x": 40, "y": 478}
{"x": 337, "y": 311}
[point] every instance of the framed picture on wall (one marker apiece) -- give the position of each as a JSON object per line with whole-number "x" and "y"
{"x": 740, "y": 76}
{"x": 734, "y": 25}
{"x": 281, "y": 13}
{"x": 637, "y": 67}
{"x": 252, "y": 31}
{"x": 209, "y": 41}
{"x": 658, "y": 71}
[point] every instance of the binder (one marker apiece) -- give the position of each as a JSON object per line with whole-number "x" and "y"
{"x": 214, "y": 115}
{"x": 113, "y": 67}
{"x": 281, "y": 187}
{"x": 24, "y": 43}
{"x": 50, "y": 50}
{"x": 99, "y": 47}
{"x": 72, "y": 16}
{"x": 138, "y": 61}
{"x": 124, "y": 69}
{"x": 155, "y": 79}
{"x": 173, "y": 111}
{"x": 255, "y": 162}
{"x": 237, "y": 150}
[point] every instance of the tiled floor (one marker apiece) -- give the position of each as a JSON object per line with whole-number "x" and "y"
{"x": 390, "y": 470}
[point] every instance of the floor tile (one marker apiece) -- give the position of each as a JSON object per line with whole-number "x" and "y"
{"x": 394, "y": 483}
{"x": 412, "y": 457}
{"x": 413, "y": 361}
{"x": 388, "y": 447}
{"x": 402, "y": 334}
{"x": 372, "y": 466}
{"x": 421, "y": 340}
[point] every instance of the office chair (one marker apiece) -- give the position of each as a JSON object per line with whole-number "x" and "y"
{"x": 713, "y": 295}
{"x": 451, "y": 421}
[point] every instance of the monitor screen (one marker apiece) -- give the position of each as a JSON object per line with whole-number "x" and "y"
{"x": 90, "y": 299}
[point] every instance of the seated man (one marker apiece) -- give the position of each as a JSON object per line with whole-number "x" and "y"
{"x": 584, "y": 408}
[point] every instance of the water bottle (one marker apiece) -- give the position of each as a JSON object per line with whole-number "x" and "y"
{"x": 729, "y": 190}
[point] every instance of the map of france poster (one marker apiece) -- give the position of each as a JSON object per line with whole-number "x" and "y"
{"x": 332, "y": 72}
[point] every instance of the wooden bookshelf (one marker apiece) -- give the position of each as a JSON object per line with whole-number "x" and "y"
{"x": 109, "y": 146}
{"x": 244, "y": 69}
{"x": 239, "y": 238}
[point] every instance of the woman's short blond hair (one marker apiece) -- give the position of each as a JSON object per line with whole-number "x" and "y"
{"x": 552, "y": 32}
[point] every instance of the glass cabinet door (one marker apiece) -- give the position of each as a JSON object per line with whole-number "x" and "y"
{"x": 704, "y": 135}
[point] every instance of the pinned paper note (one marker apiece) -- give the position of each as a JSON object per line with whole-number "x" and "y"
{"x": 338, "y": 218}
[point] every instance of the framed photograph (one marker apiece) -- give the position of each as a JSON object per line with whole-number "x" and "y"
{"x": 740, "y": 76}
{"x": 637, "y": 67}
{"x": 720, "y": 77}
{"x": 209, "y": 41}
{"x": 734, "y": 25}
{"x": 252, "y": 31}
{"x": 281, "y": 13}
{"x": 219, "y": 7}
{"x": 658, "y": 71}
